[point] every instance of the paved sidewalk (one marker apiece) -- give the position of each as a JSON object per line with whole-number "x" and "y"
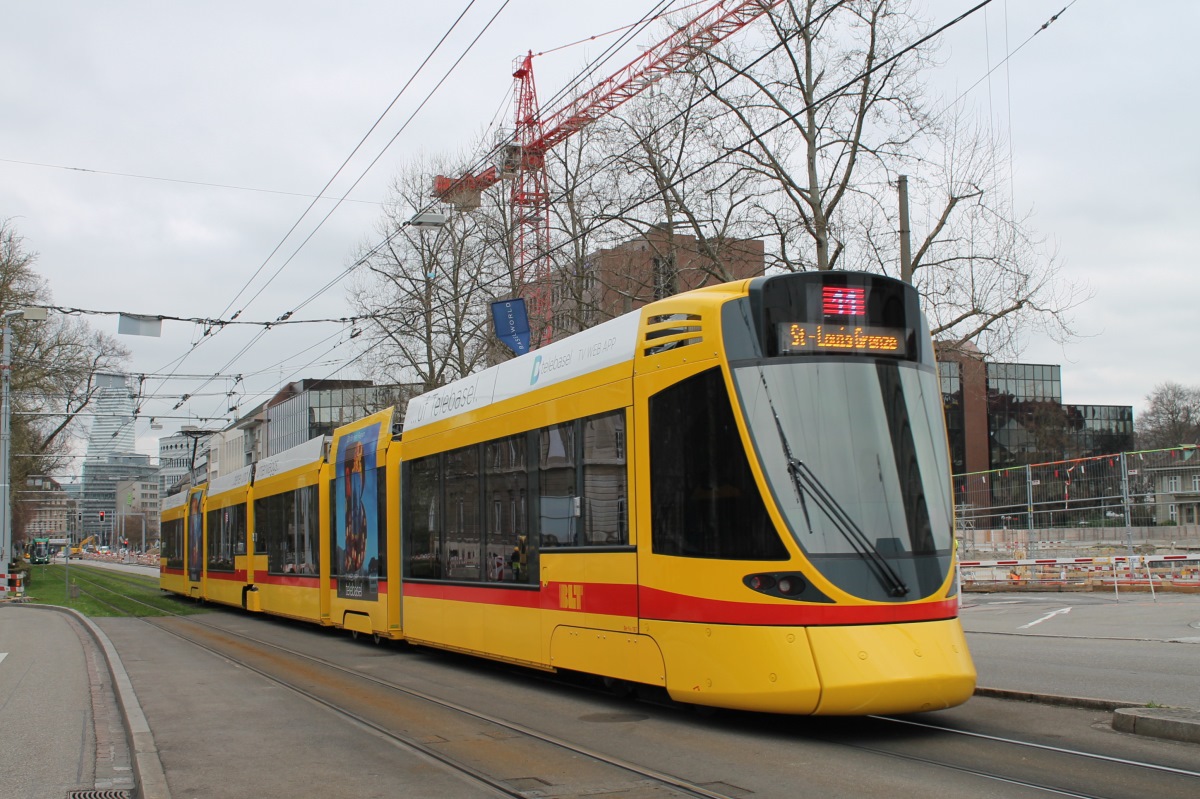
{"x": 63, "y": 727}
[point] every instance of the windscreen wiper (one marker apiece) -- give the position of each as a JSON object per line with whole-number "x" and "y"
{"x": 805, "y": 481}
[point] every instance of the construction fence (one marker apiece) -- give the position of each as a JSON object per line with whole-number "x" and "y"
{"x": 1150, "y": 573}
{"x": 1144, "y": 503}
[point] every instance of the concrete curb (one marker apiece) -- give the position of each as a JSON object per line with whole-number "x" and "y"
{"x": 151, "y": 780}
{"x": 1058, "y": 700}
{"x": 1174, "y": 723}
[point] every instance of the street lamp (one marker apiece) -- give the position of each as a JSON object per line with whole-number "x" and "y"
{"x": 429, "y": 219}
{"x": 6, "y": 537}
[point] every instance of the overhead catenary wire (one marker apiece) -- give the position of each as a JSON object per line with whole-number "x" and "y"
{"x": 378, "y": 247}
{"x": 390, "y": 238}
{"x": 483, "y": 160}
{"x": 284, "y": 318}
{"x": 288, "y": 314}
{"x": 180, "y": 360}
{"x": 634, "y": 205}
{"x": 183, "y": 181}
{"x": 374, "y": 125}
{"x": 788, "y": 117}
{"x": 791, "y": 117}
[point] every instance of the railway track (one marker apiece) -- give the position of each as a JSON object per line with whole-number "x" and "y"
{"x": 435, "y": 726}
{"x": 388, "y": 708}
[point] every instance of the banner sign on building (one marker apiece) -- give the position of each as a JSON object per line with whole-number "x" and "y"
{"x": 512, "y": 324}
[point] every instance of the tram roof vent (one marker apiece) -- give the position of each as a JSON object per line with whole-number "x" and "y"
{"x": 672, "y": 331}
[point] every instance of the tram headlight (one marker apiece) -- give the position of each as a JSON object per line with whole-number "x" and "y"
{"x": 788, "y": 585}
{"x": 761, "y": 582}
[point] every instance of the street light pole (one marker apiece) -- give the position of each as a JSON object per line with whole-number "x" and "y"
{"x": 6, "y": 536}
{"x": 5, "y": 436}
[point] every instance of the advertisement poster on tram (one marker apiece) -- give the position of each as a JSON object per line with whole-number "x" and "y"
{"x": 357, "y": 561}
{"x": 195, "y": 535}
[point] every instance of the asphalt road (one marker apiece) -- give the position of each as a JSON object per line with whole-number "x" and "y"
{"x": 1131, "y": 648}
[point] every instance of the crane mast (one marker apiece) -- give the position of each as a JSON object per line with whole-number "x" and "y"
{"x": 523, "y": 161}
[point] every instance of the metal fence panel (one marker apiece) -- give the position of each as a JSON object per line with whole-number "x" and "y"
{"x": 1125, "y": 497}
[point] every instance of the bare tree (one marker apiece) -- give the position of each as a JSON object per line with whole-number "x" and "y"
{"x": 795, "y": 137}
{"x": 579, "y": 211}
{"x": 628, "y": 179}
{"x": 831, "y": 115}
{"x": 54, "y": 367}
{"x": 426, "y": 291}
{"x": 667, "y": 152}
{"x": 1171, "y": 418}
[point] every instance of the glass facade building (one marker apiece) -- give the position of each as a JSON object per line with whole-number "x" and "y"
{"x": 1098, "y": 429}
{"x": 1012, "y": 414}
{"x": 311, "y": 408}
{"x": 1026, "y": 421}
{"x": 950, "y": 373}
{"x": 100, "y": 479}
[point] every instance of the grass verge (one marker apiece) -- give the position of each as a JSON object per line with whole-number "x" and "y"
{"x": 104, "y": 592}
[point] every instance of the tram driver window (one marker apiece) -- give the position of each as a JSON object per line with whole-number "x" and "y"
{"x": 704, "y": 500}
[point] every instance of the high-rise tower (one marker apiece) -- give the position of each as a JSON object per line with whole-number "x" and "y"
{"x": 110, "y": 459}
{"x": 112, "y": 426}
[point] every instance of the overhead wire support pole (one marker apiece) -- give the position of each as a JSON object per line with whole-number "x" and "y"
{"x": 5, "y": 442}
{"x": 905, "y": 232}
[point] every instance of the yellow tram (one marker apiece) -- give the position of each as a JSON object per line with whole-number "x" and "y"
{"x": 740, "y": 494}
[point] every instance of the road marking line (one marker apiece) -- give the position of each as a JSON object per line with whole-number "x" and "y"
{"x": 1050, "y": 615}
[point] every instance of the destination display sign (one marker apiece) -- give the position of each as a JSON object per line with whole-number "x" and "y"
{"x": 806, "y": 338}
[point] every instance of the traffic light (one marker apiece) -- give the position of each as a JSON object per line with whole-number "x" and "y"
{"x": 101, "y": 515}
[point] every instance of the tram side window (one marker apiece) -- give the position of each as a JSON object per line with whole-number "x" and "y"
{"x": 558, "y": 503}
{"x": 422, "y": 518}
{"x": 704, "y": 499}
{"x": 467, "y": 513}
{"x": 226, "y": 537}
{"x": 172, "y": 543}
{"x": 289, "y": 525}
{"x": 463, "y": 521}
{"x": 604, "y": 484}
{"x": 506, "y": 489}
{"x": 583, "y": 496}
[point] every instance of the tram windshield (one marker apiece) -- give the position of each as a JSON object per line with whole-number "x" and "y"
{"x": 853, "y": 451}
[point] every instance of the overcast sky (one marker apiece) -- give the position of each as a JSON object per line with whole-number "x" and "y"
{"x": 155, "y": 154}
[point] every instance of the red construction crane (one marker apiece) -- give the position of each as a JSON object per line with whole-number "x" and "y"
{"x": 524, "y": 160}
